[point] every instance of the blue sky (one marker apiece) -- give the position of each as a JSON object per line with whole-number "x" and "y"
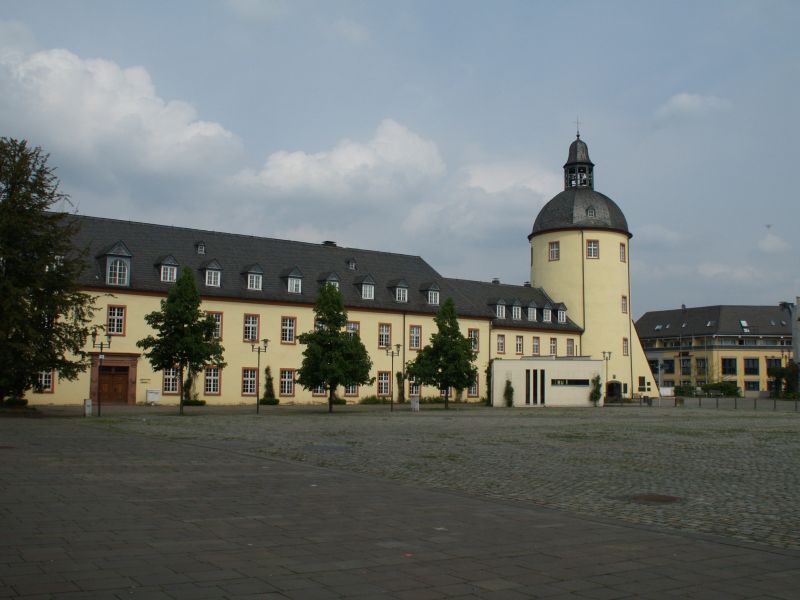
{"x": 430, "y": 128}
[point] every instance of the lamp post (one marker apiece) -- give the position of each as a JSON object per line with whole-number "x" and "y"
{"x": 102, "y": 345}
{"x": 606, "y": 357}
{"x": 259, "y": 350}
{"x": 392, "y": 353}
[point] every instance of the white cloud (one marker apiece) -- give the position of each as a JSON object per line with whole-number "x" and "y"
{"x": 503, "y": 177}
{"x": 772, "y": 244}
{"x": 102, "y": 115}
{"x": 350, "y": 31}
{"x": 393, "y": 161}
{"x": 685, "y": 104}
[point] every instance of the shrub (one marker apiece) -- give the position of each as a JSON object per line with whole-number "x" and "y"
{"x": 508, "y": 393}
{"x": 339, "y": 400}
{"x": 194, "y": 402}
{"x": 270, "y": 401}
{"x": 726, "y": 388}
{"x": 373, "y": 400}
{"x": 15, "y": 402}
{"x": 596, "y": 393}
{"x": 685, "y": 390}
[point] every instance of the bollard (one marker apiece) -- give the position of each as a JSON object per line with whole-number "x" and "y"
{"x": 87, "y": 407}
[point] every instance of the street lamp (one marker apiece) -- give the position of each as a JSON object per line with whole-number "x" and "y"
{"x": 606, "y": 357}
{"x": 102, "y": 344}
{"x": 259, "y": 350}
{"x": 392, "y": 353}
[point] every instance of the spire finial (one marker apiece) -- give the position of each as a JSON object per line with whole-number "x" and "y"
{"x": 578, "y": 127}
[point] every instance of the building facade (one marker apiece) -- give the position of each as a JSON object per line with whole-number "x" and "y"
{"x": 262, "y": 288}
{"x": 694, "y": 346}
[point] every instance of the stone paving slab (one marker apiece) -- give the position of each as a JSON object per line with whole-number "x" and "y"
{"x": 98, "y": 511}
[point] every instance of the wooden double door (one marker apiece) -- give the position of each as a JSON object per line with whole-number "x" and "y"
{"x": 113, "y": 385}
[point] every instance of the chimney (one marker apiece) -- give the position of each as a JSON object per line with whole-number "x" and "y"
{"x": 495, "y": 281}
{"x": 329, "y": 243}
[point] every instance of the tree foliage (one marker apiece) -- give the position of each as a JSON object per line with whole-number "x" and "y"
{"x": 447, "y": 361}
{"x": 44, "y": 317}
{"x": 269, "y": 388}
{"x": 332, "y": 357}
{"x": 184, "y": 334}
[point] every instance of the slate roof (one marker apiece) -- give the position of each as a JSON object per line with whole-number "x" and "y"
{"x": 578, "y": 153}
{"x": 568, "y": 210}
{"x": 151, "y": 245}
{"x": 722, "y": 319}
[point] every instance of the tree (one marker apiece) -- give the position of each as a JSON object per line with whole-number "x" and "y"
{"x": 508, "y": 393}
{"x": 44, "y": 317}
{"x": 447, "y": 361}
{"x": 184, "y": 334}
{"x": 269, "y": 388}
{"x": 596, "y": 391}
{"x": 332, "y": 356}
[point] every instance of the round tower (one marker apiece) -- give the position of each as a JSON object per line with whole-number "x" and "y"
{"x": 579, "y": 256}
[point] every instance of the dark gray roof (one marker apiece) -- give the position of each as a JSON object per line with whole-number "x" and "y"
{"x": 569, "y": 210}
{"x": 235, "y": 254}
{"x": 715, "y": 320}
{"x": 578, "y": 153}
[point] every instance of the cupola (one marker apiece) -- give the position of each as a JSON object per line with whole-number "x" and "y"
{"x": 579, "y": 169}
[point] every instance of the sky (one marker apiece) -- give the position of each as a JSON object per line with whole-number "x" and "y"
{"x": 436, "y": 129}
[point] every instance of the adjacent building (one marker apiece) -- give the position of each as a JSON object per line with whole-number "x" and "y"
{"x": 577, "y": 304}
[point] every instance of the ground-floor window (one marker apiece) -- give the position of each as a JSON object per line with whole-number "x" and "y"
{"x": 212, "y": 384}
{"x": 751, "y": 386}
{"x": 318, "y": 390}
{"x": 413, "y": 388}
{"x": 170, "y": 384}
{"x": 351, "y": 390}
{"x": 44, "y": 381}
{"x": 249, "y": 381}
{"x": 384, "y": 383}
{"x": 472, "y": 391}
{"x": 287, "y": 382}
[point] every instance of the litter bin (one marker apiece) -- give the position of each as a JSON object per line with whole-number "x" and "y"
{"x": 414, "y": 403}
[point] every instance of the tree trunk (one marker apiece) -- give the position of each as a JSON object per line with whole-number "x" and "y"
{"x": 331, "y": 391}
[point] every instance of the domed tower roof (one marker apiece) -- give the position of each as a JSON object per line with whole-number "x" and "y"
{"x": 579, "y": 206}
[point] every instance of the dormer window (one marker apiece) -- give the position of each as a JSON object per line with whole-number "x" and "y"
{"x": 401, "y": 294}
{"x": 546, "y": 315}
{"x": 169, "y": 273}
{"x": 516, "y": 312}
{"x": 433, "y": 297}
{"x": 213, "y": 277}
{"x": 351, "y": 264}
{"x": 367, "y": 291}
{"x": 254, "y": 281}
{"x": 562, "y": 316}
{"x": 333, "y": 283}
{"x": 591, "y": 213}
{"x": 200, "y": 248}
{"x": 500, "y": 310}
{"x": 117, "y": 273}
{"x": 294, "y": 285}
{"x": 531, "y": 313}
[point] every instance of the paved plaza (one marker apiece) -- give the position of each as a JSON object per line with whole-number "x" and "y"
{"x": 468, "y": 503}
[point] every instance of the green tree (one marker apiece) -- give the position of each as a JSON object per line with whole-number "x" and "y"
{"x": 332, "y": 356}
{"x": 44, "y": 317}
{"x": 269, "y": 387}
{"x": 596, "y": 391}
{"x": 447, "y": 361}
{"x": 184, "y": 334}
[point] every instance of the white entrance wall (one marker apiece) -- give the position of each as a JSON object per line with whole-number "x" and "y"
{"x": 561, "y": 381}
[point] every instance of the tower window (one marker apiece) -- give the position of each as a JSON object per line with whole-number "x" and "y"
{"x": 622, "y": 253}
{"x": 592, "y": 248}
{"x": 554, "y": 251}
{"x": 591, "y": 213}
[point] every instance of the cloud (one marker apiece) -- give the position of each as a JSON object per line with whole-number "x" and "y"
{"x": 107, "y": 117}
{"x": 394, "y": 160}
{"x": 263, "y": 10}
{"x": 350, "y": 31}
{"x": 772, "y": 244}
{"x": 691, "y": 105}
{"x": 504, "y": 177}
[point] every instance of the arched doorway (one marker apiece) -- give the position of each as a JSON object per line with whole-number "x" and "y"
{"x": 613, "y": 391}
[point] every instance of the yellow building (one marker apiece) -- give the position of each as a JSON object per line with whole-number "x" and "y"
{"x": 694, "y": 346}
{"x": 262, "y": 288}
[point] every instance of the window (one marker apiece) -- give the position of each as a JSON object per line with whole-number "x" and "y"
{"x": 401, "y": 294}
{"x": 351, "y": 390}
{"x": 200, "y": 248}
{"x": 622, "y": 253}
{"x": 249, "y": 381}
{"x": 686, "y": 366}
{"x": 295, "y": 285}
{"x": 217, "y": 324}
{"x": 472, "y": 334}
{"x": 518, "y": 344}
{"x": 554, "y": 251}
{"x": 384, "y": 383}
{"x": 669, "y": 366}
{"x": 333, "y": 283}
{"x": 288, "y": 328}
{"x": 531, "y": 313}
{"x": 592, "y": 248}
{"x": 414, "y": 336}
{"x": 353, "y": 328}
{"x": 117, "y": 272}
{"x": 501, "y": 311}
{"x": 413, "y": 387}
{"x": 536, "y": 348}
{"x": 501, "y": 343}
{"x": 287, "y": 382}
{"x": 384, "y": 335}
{"x": 44, "y": 382}
{"x": 729, "y": 366}
{"x": 751, "y": 386}
{"x": 591, "y": 213}
{"x": 367, "y": 291}
{"x": 625, "y": 347}
{"x": 700, "y": 365}
{"x": 625, "y": 305}
{"x": 170, "y": 383}
{"x": 250, "y": 328}
{"x": 669, "y": 383}
{"x": 433, "y": 297}
{"x": 212, "y": 277}
{"x": 254, "y": 281}
{"x": 318, "y": 390}
{"x": 516, "y": 312}
{"x": 553, "y": 346}
{"x": 562, "y": 316}
{"x": 115, "y": 324}
{"x": 211, "y": 381}
{"x": 773, "y": 363}
{"x": 169, "y": 273}
{"x": 751, "y": 366}
{"x": 570, "y": 347}
{"x": 351, "y": 264}
{"x": 472, "y": 390}
{"x": 546, "y": 315}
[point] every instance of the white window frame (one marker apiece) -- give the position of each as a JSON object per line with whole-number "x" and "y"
{"x": 554, "y": 251}
{"x": 501, "y": 343}
{"x": 251, "y": 323}
{"x": 414, "y": 337}
{"x": 44, "y": 381}
{"x": 115, "y": 320}
{"x": 367, "y": 291}
{"x": 537, "y": 347}
{"x": 546, "y": 315}
{"x": 213, "y": 277}
{"x": 623, "y": 253}
{"x": 413, "y": 387}
{"x": 254, "y": 281}
{"x": 384, "y": 335}
{"x": 286, "y": 382}
{"x": 500, "y": 311}
{"x": 592, "y": 249}
{"x": 626, "y": 347}
{"x": 353, "y": 328}
{"x": 211, "y": 381}
{"x": 170, "y": 381}
{"x": 519, "y": 344}
{"x": 554, "y": 346}
{"x": 401, "y": 294}
{"x": 288, "y": 329}
{"x": 217, "y": 325}
{"x": 562, "y": 316}
{"x": 249, "y": 381}
{"x": 384, "y": 382}
{"x": 118, "y": 272}
{"x": 472, "y": 390}
{"x": 169, "y": 273}
{"x": 531, "y": 314}
{"x": 294, "y": 285}
{"x": 351, "y": 389}
{"x": 516, "y": 313}
{"x": 433, "y": 297}
{"x": 570, "y": 347}
{"x": 474, "y": 339}
{"x": 625, "y": 305}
